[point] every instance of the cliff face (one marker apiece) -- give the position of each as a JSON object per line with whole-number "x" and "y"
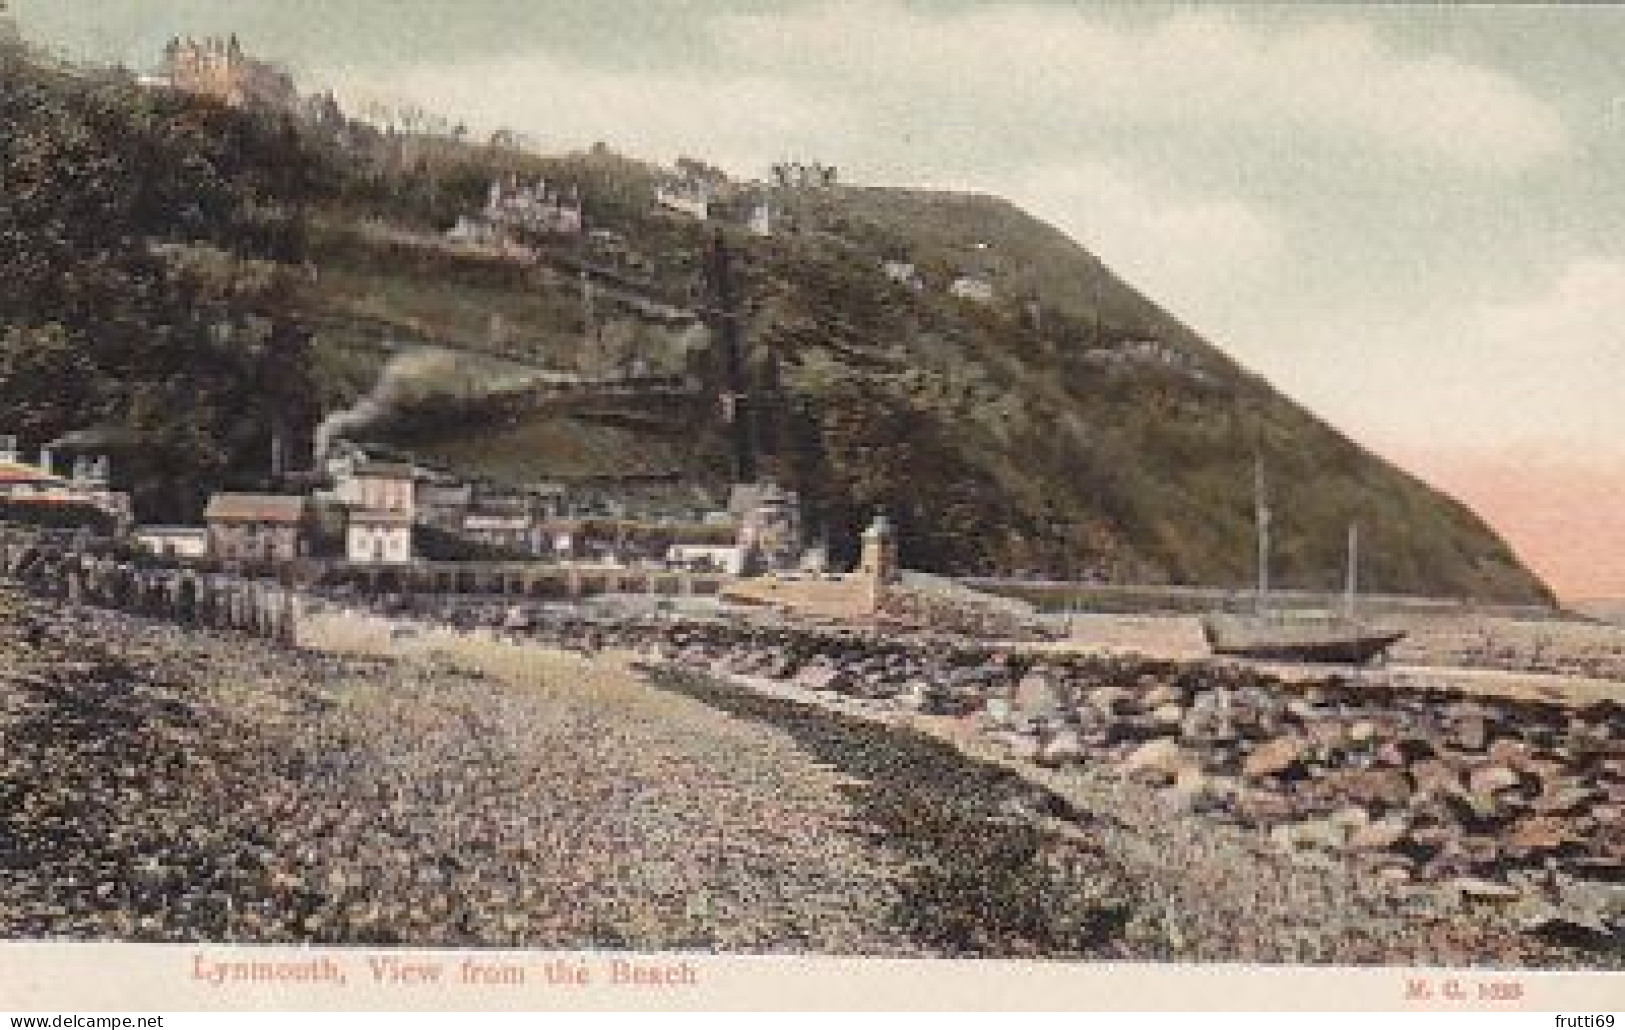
{"x": 1068, "y": 425}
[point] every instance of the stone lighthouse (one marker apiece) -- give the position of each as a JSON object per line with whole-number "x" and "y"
{"x": 877, "y": 563}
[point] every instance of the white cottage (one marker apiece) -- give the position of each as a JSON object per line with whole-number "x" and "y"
{"x": 378, "y": 538}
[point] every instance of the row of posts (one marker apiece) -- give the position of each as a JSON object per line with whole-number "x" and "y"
{"x": 211, "y": 600}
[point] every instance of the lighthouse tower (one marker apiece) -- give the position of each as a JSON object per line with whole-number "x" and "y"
{"x": 877, "y": 562}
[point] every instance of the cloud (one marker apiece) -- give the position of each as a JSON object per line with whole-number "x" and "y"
{"x": 882, "y": 88}
{"x": 1335, "y": 81}
{"x": 1579, "y": 320}
{"x": 1196, "y": 255}
{"x": 1541, "y": 371}
{"x": 739, "y": 120}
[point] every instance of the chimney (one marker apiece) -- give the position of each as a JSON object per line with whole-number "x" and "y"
{"x": 46, "y": 461}
{"x": 8, "y": 448}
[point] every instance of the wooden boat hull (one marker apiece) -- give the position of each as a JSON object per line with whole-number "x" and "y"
{"x": 1321, "y": 641}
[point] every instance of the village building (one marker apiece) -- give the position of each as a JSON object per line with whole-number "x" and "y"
{"x": 442, "y": 502}
{"x": 769, "y": 521}
{"x": 686, "y": 197}
{"x": 903, "y": 273}
{"x": 257, "y": 527}
{"x": 511, "y": 532}
{"x": 804, "y": 175}
{"x": 184, "y": 542}
{"x": 724, "y": 558}
{"x": 39, "y": 489}
{"x": 378, "y": 486}
{"x": 860, "y": 594}
{"x": 761, "y": 220}
{"x": 877, "y": 559}
{"x": 380, "y": 499}
{"x": 378, "y": 537}
{"x": 220, "y": 69}
{"x": 972, "y": 288}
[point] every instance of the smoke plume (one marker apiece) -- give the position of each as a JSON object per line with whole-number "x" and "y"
{"x": 414, "y": 376}
{"x": 404, "y": 377}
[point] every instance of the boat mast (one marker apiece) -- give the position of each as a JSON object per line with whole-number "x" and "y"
{"x": 1351, "y": 585}
{"x": 1263, "y": 519}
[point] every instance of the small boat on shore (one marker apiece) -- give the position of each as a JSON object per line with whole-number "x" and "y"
{"x": 1302, "y": 636}
{"x": 1298, "y": 637}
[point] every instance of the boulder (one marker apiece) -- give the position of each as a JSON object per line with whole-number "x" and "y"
{"x": 1508, "y": 751}
{"x": 1471, "y": 732}
{"x": 999, "y": 712}
{"x": 1060, "y": 748}
{"x": 1537, "y": 834}
{"x": 1350, "y": 817}
{"x": 1160, "y": 695}
{"x": 1432, "y": 775}
{"x": 1195, "y": 791}
{"x": 1160, "y": 759}
{"x": 1038, "y": 697}
{"x": 1275, "y": 757}
{"x": 1379, "y": 835}
{"x": 1373, "y": 788}
{"x": 1491, "y": 779}
{"x": 915, "y": 695}
{"x": 1208, "y": 719}
{"x": 1322, "y": 834}
{"x": 1023, "y": 746}
{"x": 1169, "y": 716}
{"x": 818, "y": 677}
{"x": 1263, "y": 806}
{"x": 1108, "y": 700}
{"x": 1475, "y": 889}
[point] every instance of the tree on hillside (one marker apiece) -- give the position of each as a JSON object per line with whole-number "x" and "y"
{"x": 97, "y": 328}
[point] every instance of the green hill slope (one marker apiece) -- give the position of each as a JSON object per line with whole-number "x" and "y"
{"x": 216, "y": 279}
{"x": 1069, "y": 427}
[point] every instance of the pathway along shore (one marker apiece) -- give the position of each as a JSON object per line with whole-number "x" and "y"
{"x": 159, "y": 784}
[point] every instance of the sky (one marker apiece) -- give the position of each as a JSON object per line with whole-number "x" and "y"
{"x": 1409, "y": 218}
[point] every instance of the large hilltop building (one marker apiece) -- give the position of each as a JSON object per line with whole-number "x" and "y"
{"x": 219, "y": 68}
{"x": 513, "y": 206}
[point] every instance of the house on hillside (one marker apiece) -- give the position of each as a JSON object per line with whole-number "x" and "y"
{"x": 761, "y": 219}
{"x": 222, "y": 70}
{"x": 257, "y": 527}
{"x": 173, "y": 541}
{"x": 972, "y": 288}
{"x": 903, "y": 273}
{"x": 686, "y": 195}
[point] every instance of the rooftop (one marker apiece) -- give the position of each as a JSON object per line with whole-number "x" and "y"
{"x": 384, "y": 470}
{"x": 364, "y": 516}
{"x": 22, "y": 472}
{"x": 255, "y": 508}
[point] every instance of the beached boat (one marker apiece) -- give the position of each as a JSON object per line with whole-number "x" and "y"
{"x": 1298, "y": 636}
